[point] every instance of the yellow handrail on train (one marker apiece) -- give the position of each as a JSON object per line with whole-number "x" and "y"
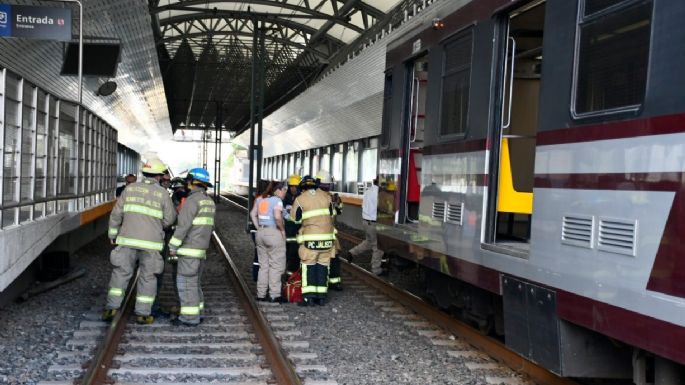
{"x": 508, "y": 199}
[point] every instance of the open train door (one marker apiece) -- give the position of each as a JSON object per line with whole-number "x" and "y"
{"x": 512, "y": 158}
{"x": 414, "y": 118}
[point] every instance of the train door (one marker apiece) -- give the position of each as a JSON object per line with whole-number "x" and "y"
{"x": 513, "y": 156}
{"x": 413, "y": 139}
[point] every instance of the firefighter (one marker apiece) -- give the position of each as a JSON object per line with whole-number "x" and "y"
{"x": 136, "y": 226}
{"x": 313, "y": 208}
{"x": 291, "y": 226}
{"x": 178, "y": 196}
{"x": 334, "y": 274}
{"x": 190, "y": 242}
{"x": 179, "y": 192}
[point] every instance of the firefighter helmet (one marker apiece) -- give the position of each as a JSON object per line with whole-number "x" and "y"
{"x": 307, "y": 182}
{"x": 199, "y": 174}
{"x": 294, "y": 180}
{"x": 323, "y": 176}
{"x": 177, "y": 183}
{"x": 154, "y": 166}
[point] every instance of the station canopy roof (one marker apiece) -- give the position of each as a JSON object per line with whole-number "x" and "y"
{"x": 205, "y": 51}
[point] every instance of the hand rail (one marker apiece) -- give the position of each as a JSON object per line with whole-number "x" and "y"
{"x": 511, "y": 81}
{"x": 415, "y": 105}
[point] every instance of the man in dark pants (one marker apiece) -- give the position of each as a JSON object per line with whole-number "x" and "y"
{"x": 291, "y": 227}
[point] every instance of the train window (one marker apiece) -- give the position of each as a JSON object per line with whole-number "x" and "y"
{"x": 594, "y": 6}
{"x": 613, "y": 55}
{"x": 387, "y": 110}
{"x": 456, "y": 79}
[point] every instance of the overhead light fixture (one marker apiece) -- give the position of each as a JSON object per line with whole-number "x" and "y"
{"x": 107, "y": 88}
{"x": 438, "y": 24}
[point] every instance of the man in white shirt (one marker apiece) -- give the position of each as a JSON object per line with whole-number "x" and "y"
{"x": 369, "y": 207}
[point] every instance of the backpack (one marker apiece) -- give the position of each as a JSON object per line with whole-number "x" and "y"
{"x": 292, "y": 290}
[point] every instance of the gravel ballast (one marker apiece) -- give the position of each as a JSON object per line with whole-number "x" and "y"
{"x": 362, "y": 341}
{"x": 32, "y": 332}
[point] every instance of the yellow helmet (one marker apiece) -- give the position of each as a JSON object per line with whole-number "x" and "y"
{"x": 154, "y": 166}
{"x": 294, "y": 180}
{"x": 323, "y": 176}
{"x": 391, "y": 186}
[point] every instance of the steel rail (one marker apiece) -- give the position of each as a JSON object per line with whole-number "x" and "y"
{"x": 238, "y": 205}
{"x": 283, "y": 370}
{"x": 489, "y": 345}
{"x": 96, "y": 374}
{"x": 235, "y": 195}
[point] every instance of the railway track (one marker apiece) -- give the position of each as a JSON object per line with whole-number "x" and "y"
{"x": 436, "y": 325}
{"x": 234, "y": 344}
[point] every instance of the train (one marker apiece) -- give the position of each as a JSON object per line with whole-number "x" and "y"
{"x": 530, "y": 160}
{"x": 537, "y": 152}
{"x": 61, "y": 164}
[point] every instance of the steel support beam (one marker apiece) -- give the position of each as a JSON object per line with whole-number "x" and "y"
{"x": 253, "y": 107}
{"x": 217, "y": 149}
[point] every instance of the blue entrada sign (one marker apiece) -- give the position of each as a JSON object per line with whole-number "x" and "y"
{"x": 47, "y": 23}
{"x": 5, "y": 20}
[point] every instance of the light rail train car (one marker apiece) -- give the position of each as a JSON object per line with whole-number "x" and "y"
{"x": 538, "y": 149}
{"x": 60, "y": 164}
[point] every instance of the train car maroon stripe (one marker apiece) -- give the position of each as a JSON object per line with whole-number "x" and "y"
{"x": 659, "y": 181}
{"x": 668, "y": 271}
{"x": 660, "y": 125}
{"x": 661, "y": 337}
{"x": 473, "y": 273}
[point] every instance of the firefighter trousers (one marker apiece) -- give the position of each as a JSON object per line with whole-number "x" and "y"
{"x": 169, "y": 263}
{"x": 190, "y": 289}
{"x": 124, "y": 260}
{"x": 314, "y": 265}
{"x": 271, "y": 252}
{"x": 335, "y": 272}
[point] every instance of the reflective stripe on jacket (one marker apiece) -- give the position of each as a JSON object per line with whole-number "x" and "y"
{"x": 140, "y": 215}
{"x": 195, "y": 225}
{"x": 314, "y": 209}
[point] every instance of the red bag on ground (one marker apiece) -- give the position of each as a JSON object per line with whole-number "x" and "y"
{"x": 292, "y": 290}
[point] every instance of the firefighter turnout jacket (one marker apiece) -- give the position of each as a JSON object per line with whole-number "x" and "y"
{"x": 140, "y": 215}
{"x": 313, "y": 208}
{"x": 195, "y": 224}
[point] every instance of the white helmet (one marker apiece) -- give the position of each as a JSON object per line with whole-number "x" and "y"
{"x": 323, "y": 176}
